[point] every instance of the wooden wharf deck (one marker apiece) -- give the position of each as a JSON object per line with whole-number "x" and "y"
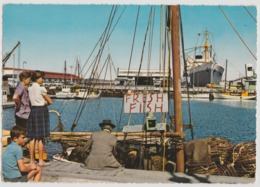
{"x": 71, "y": 172}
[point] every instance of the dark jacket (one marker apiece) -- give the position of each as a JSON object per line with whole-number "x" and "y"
{"x": 102, "y": 145}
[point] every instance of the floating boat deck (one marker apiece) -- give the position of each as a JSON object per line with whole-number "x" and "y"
{"x": 71, "y": 172}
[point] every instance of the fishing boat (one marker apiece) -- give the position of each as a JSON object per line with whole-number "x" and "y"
{"x": 239, "y": 91}
{"x": 229, "y": 95}
{"x": 85, "y": 94}
{"x": 65, "y": 93}
{"x": 203, "y": 69}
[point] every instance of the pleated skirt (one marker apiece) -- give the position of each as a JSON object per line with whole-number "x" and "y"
{"x": 38, "y": 126}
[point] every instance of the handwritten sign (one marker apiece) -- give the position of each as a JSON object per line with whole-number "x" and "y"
{"x": 139, "y": 103}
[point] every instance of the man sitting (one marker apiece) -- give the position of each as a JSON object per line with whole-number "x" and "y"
{"x": 102, "y": 145}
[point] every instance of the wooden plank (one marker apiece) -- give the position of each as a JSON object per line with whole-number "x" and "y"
{"x": 74, "y": 168}
{"x": 141, "y": 134}
{"x": 53, "y": 165}
{"x": 61, "y": 166}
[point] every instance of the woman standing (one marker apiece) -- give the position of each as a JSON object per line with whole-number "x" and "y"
{"x": 38, "y": 127}
{"x": 21, "y": 99}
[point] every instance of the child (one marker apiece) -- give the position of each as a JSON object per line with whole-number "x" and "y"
{"x": 21, "y": 99}
{"x": 38, "y": 126}
{"x": 14, "y": 169}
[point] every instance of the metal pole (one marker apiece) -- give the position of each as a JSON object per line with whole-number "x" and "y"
{"x": 71, "y": 71}
{"x": 225, "y": 77}
{"x": 13, "y": 70}
{"x": 65, "y": 71}
{"x": 24, "y": 62}
{"x": 177, "y": 83}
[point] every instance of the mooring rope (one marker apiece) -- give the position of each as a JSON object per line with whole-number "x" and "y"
{"x": 186, "y": 75}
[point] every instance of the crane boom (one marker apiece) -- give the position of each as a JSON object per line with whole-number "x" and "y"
{"x": 6, "y": 57}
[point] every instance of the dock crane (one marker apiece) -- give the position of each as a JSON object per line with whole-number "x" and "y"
{"x": 8, "y": 55}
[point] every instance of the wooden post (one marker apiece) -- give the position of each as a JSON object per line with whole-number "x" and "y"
{"x": 177, "y": 83}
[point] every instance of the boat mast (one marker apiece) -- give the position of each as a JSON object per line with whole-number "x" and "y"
{"x": 206, "y": 46}
{"x": 65, "y": 73}
{"x": 177, "y": 83}
{"x": 78, "y": 68}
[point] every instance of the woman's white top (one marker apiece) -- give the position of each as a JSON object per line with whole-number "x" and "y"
{"x": 36, "y": 93}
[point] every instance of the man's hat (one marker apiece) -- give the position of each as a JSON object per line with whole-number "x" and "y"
{"x": 107, "y": 122}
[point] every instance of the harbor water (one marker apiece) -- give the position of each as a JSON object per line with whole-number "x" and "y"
{"x": 233, "y": 120}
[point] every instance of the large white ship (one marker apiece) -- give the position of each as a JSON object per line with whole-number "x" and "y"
{"x": 203, "y": 69}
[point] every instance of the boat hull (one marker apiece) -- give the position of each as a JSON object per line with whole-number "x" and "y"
{"x": 207, "y": 73}
{"x": 87, "y": 97}
{"x": 232, "y": 97}
{"x": 84, "y": 94}
{"x": 65, "y": 95}
{"x": 196, "y": 96}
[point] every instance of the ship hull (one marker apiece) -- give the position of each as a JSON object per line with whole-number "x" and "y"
{"x": 208, "y": 73}
{"x": 61, "y": 95}
{"x": 233, "y": 97}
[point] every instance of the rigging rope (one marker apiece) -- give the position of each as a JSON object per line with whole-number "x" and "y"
{"x": 250, "y": 14}
{"x": 169, "y": 22}
{"x": 62, "y": 105}
{"x": 92, "y": 76}
{"x": 103, "y": 40}
{"x": 162, "y": 54}
{"x": 142, "y": 54}
{"x": 102, "y": 37}
{"x": 186, "y": 74}
{"x": 164, "y": 50}
{"x": 130, "y": 60}
{"x": 109, "y": 62}
{"x": 161, "y": 39}
{"x": 150, "y": 49}
{"x": 237, "y": 32}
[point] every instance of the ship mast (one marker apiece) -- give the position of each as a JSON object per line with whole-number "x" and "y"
{"x": 206, "y": 47}
{"x": 177, "y": 83}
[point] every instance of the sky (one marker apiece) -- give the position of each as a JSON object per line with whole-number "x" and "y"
{"x": 51, "y": 34}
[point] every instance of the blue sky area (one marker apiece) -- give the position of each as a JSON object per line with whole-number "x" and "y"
{"x": 50, "y": 34}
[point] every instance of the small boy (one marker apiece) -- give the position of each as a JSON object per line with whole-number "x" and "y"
{"x": 13, "y": 167}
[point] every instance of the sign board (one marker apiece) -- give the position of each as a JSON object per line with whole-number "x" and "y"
{"x": 140, "y": 103}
